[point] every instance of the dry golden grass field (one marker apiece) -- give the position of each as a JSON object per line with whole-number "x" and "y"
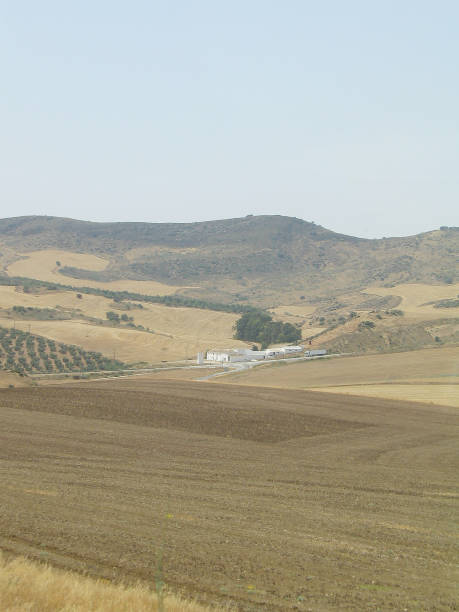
{"x": 415, "y": 298}
{"x": 430, "y": 375}
{"x": 269, "y": 499}
{"x": 179, "y": 333}
{"x": 430, "y": 392}
{"x": 8, "y": 378}
{"x": 42, "y": 266}
{"x": 26, "y": 586}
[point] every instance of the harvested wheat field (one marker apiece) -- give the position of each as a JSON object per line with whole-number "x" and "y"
{"x": 129, "y": 345}
{"x": 178, "y": 332}
{"x": 9, "y": 378}
{"x": 431, "y": 392}
{"x": 266, "y": 499}
{"x": 403, "y": 376}
{"x": 416, "y": 298}
{"x": 42, "y": 266}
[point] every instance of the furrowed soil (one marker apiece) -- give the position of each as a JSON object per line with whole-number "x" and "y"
{"x": 267, "y": 499}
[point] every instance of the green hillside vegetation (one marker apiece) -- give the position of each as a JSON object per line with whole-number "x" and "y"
{"x": 37, "y": 314}
{"x": 26, "y": 353}
{"x": 453, "y": 303}
{"x": 260, "y": 327}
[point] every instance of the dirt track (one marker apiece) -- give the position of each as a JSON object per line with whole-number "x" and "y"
{"x": 271, "y": 499}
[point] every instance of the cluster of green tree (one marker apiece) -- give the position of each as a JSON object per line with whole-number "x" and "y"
{"x": 27, "y": 353}
{"x": 42, "y": 314}
{"x": 259, "y": 327}
{"x": 30, "y": 284}
{"x": 126, "y": 305}
{"x": 452, "y": 303}
{"x": 114, "y": 317}
{"x": 366, "y": 325}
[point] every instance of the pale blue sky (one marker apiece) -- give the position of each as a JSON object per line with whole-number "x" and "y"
{"x": 341, "y": 112}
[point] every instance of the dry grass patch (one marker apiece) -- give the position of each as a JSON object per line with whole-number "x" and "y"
{"x": 8, "y": 378}
{"x": 415, "y": 296}
{"x": 414, "y": 367}
{"x": 130, "y": 345}
{"x": 42, "y": 266}
{"x": 447, "y": 394}
{"x": 179, "y": 332}
{"x": 31, "y": 587}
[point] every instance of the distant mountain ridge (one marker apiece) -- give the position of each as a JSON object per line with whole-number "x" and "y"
{"x": 64, "y": 232}
{"x": 254, "y": 258}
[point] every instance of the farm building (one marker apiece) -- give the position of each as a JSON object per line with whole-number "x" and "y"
{"x": 234, "y": 355}
{"x": 290, "y": 350}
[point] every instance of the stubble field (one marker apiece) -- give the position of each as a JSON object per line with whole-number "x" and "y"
{"x": 42, "y": 266}
{"x": 265, "y": 498}
{"x": 427, "y": 375}
{"x": 178, "y": 333}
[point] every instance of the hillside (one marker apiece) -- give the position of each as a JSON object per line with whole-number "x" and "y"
{"x": 345, "y": 293}
{"x": 255, "y": 258}
{"x": 25, "y": 353}
{"x": 136, "y": 331}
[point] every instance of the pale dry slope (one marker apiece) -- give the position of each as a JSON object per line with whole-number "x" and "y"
{"x": 371, "y": 375}
{"x": 8, "y": 378}
{"x": 90, "y": 305}
{"x": 298, "y": 314}
{"x": 123, "y": 343}
{"x": 42, "y": 266}
{"x": 444, "y": 394}
{"x": 31, "y": 587}
{"x": 179, "y": 332}
{"x": 414, "y": 297}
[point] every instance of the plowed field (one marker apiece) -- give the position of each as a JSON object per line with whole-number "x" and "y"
{"x": 268, "y": 499}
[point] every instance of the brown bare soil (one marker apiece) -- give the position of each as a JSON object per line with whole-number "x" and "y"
{"x": 268, "y": 499}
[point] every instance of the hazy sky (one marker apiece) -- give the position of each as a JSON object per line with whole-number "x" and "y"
{"x": 345, "y": 113}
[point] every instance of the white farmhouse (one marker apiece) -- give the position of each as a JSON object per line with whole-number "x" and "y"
{"x": 234, "y": 355}
{"x": 289, "y": 350}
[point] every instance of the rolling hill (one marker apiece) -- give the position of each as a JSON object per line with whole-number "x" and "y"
{"x": 347, "y": 294}
{"x": 255, "y": 258}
